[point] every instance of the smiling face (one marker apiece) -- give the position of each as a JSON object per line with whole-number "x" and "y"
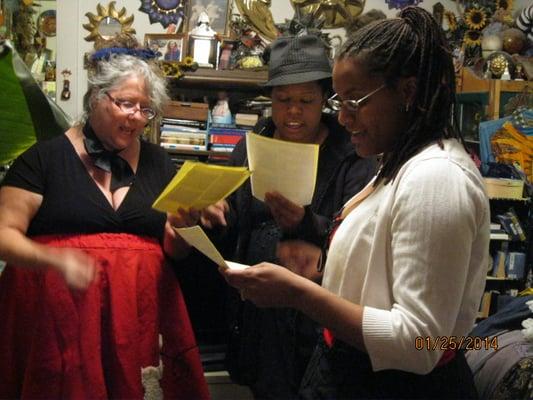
{"x": 297, "y": 111}
{"x": 380, "y": 119}
{"x": 115, "y": 128}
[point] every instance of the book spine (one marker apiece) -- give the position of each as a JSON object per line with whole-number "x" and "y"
{"x": 224, "y": 139}
{"x": 182, "y": 146}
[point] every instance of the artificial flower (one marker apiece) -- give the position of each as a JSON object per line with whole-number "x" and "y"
{"x": 472, "y": 38}
{"x": 505, "y": 4}
{"x": 451, "y": 19}
{"x": 475, "y": 18}
{"x": 188, "y": 61}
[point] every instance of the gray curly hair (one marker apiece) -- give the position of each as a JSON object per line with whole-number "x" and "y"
{"x": 110, "y": 74}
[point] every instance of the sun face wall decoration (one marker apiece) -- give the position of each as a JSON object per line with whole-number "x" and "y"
{"x": 164, "y": 11}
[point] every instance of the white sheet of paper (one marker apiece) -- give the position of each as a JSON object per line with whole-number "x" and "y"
{"x": 286, "y": 167}
{"x": 196, "y": 237}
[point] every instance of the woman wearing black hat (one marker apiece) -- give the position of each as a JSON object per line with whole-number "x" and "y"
{"x": 272, "y": 347}
{"x": 406, "y": 265}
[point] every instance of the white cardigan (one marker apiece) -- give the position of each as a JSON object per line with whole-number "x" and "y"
{"x": 414, "y": 253}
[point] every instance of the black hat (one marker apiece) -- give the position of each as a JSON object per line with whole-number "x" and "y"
{"x": 297, "y": 59}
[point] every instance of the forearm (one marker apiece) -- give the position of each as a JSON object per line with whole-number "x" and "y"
{"x": 341, "y": 317}
{"x": 17, "y": 249}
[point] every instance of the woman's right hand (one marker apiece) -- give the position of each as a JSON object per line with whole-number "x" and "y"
{"x": 215, "y": 214}
{"x": 77, "y": 267}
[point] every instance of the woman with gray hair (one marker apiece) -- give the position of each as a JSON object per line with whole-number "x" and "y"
{"x": 87, "y": 295}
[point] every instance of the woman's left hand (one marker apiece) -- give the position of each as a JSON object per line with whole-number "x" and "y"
{"x": 174, "y": 245}
{"x": 286, "y": 213}
{"x": 184, "y": 218}
{"x": 265, "y": 284}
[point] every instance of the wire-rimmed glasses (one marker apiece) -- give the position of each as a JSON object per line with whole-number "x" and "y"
{"x": 129, "y": 107}
{"x": 351, "y": 105}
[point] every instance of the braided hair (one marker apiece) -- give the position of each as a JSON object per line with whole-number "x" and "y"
{"x": 412, "y": 45}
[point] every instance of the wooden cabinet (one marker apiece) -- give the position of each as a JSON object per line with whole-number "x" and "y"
{"x": 497, "y": 92}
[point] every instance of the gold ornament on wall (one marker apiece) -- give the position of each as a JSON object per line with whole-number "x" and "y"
{"x": 336, "y": 13}
{"x": 257, "y": 13}
{"x": 108, "y": 24}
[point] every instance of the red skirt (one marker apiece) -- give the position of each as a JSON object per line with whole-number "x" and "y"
{"x": 59, "y": 343}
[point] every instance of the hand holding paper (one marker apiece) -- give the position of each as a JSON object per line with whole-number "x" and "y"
{"x": 196, "y": 237}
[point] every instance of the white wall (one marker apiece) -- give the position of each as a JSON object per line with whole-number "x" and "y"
{"x": 71, "y": 44}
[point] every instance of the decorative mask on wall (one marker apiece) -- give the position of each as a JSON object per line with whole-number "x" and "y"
{"x": 165, "y": 11}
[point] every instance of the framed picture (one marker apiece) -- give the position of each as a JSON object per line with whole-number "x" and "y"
{"x": 168, "y": 47}
{"x": 219, "y": 12}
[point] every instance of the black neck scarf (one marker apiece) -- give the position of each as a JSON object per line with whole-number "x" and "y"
{"x": 109, "y": 161}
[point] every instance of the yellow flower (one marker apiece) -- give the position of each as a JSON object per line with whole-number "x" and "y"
{"x": 476, "y": 18}
{"x": 472, "y": 38}
{"x": 452, "y": 20}
{"x": 188, "y": 61}
{"x": 505, "y": 4}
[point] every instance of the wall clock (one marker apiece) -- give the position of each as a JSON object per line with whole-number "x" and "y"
{"x": 165, "y": 11}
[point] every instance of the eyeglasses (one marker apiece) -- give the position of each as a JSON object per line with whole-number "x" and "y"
{"x": 129, "y": 107}
{"x": 351, "y": 105}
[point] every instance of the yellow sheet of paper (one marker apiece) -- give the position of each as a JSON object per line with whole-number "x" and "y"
{"x": 197, "y": 238}
{"x": 286, "y": 167}
{"x": 198, "y": 185}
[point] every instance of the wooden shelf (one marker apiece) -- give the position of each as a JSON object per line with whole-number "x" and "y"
{"x": 495, "y": 278}
{"x": 235, "y": 78}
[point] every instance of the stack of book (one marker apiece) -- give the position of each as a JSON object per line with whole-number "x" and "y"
{"x": 183, "y": 134}
{"x": 246, "y": 119}
{"x": 223, "y": 138}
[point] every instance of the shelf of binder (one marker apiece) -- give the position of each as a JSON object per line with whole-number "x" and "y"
{"x": 224, "y": 137}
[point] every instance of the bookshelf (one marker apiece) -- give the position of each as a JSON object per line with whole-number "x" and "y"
{"x": 203, "y": 86}
{"x": 481, "y": 99}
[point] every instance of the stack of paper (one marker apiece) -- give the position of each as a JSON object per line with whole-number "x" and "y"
{"x": 275, "y": 165}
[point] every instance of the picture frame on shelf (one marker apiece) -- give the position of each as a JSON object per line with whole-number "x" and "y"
{"x": 219, "y": 12}
{"x": 168, "y": 47}
{"x": 226, "y": 60}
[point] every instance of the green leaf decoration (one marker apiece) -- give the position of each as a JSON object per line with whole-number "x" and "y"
{"x": 26, "y": 113}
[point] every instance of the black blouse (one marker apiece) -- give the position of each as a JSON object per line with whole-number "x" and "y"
{"x": 73, "y": 203}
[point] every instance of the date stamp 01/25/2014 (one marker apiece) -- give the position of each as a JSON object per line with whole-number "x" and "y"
{"x": 456, "y": 343}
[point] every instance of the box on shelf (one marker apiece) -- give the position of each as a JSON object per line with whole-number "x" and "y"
{"x": 504, "y": 188}
{"x": 186, "y": 110}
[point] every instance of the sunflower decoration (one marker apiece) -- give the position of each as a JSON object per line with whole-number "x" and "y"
{"x": 506, "y": 5}
{"x": 451, "y": 20}
{"x": 472, "y": 38}
{"x": 189, "y": 62}
{"x": 476, "y": 18}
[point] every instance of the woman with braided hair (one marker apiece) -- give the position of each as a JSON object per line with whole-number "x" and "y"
{"x": 404, "y": 271}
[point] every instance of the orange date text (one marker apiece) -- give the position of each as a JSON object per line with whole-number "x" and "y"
{"x": 456, "y": 342}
